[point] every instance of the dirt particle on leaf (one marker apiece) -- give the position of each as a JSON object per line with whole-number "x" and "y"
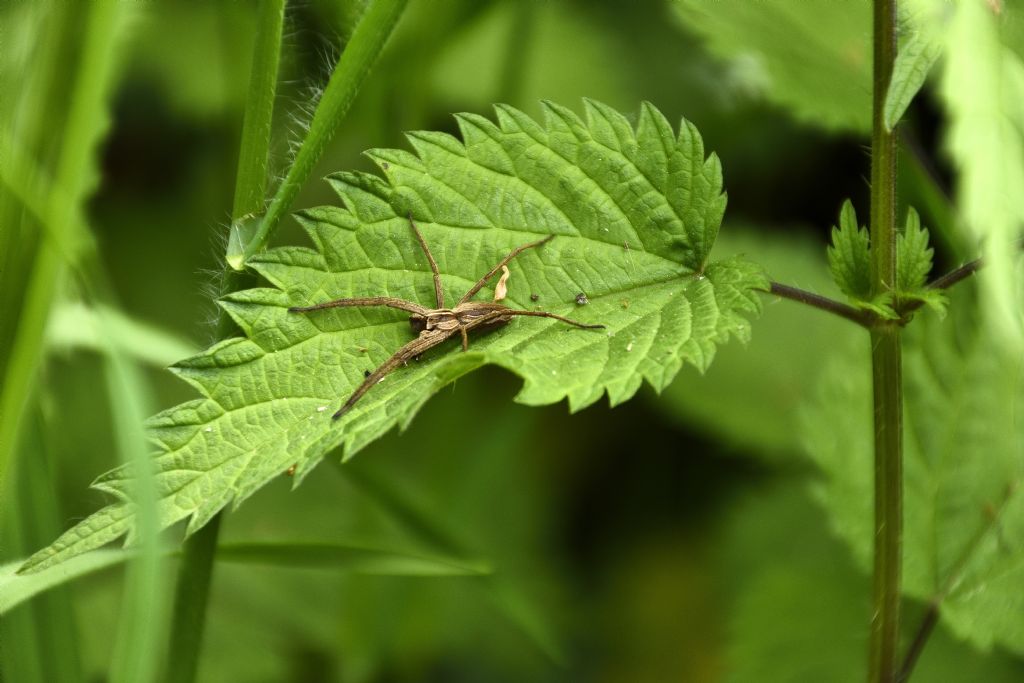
{"x": 581, "y": 299}
{"x": 535, "y": 297}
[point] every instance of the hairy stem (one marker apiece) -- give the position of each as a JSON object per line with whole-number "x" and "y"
{"x": 196, "y": 568}
{"x": 886, "y": 369}
{"x": 359, "y": 56}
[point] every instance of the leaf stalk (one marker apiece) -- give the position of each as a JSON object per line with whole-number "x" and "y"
{"x": 861, "y": 317}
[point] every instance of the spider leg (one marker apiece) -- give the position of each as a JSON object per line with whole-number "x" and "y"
{"x": 427, "y": 340}
{"x": 505, "y": 313}
{"x": 388, "y": 301}
{"x": 512, "y": 254}
{"x": 545, "y": 314}
{"x": 438, "y": 292}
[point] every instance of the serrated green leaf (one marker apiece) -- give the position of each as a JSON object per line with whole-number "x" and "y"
{"x": 848, "y": 256}
{"x": 964, "y": 461}
{"x": 914, "y": 263}
{"x": 913, "y": 255}
{"x": 635, "y": 212}
{"x": 914, "y": 60}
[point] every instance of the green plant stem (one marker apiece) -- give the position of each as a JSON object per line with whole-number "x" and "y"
{"x": 190, "y": 598}
{"x": 195, "y": 570}
{"x": 361, "y": 52}
{"x": 886, "y": 368}
{"x": 253, "y": 157}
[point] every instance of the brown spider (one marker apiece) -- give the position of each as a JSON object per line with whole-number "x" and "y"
{"x": 438, "y": 324}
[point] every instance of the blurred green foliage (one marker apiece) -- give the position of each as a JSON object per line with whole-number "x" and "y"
{"x": 671, "y": 538}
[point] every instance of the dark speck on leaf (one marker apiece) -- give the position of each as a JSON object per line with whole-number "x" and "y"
{"x": 581, "y": 299}
{"x": 534, "y": 297}
{"x": 385, "y": 165}
{"x": 366, "y": 373}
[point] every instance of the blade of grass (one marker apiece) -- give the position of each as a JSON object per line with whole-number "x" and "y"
{"x": 361, "y": 52}
{"x": 354, "y": 558}
{"x": 16, "y": 589}
{"x": 140, "y": 636}
{"x": 40, "y": 639}
{"x": 77, "y": 326}
{"x": 81, "y": 106}
{"x": 34, "y": 109}
{"x": 84, "y": 125}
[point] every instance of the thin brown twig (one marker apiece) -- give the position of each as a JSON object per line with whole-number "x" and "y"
{"x": 924, "y": 631}
{"x": 954, "y": 276}
{"x": 931, "y": 616}
{"x": 862, "y": 318}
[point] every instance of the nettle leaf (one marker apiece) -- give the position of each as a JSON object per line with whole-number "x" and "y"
{"x": 913, "y": 255}
{"x": 849, "y": 259}
{"x": 914, "y": 263}
{"x": 963, "y": 469}
{"x": 634, "y": 211}
{"x": 915, "y": 59}
{"x": 848, "y": 256}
